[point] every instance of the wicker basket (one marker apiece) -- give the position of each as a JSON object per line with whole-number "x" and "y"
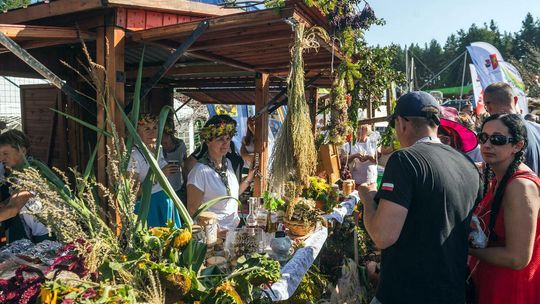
{"x": 298, "y": 228}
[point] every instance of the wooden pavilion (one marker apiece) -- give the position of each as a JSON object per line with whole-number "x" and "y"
{"x": 211, "y": 54}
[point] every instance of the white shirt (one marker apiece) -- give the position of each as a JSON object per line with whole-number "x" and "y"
{"x": 362, "y": 172}
{"x": 208, "y": 181}
{"x": 140, "y": 165}
{"x": 32, "y": 226}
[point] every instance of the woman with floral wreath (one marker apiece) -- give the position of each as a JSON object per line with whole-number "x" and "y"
{"x": 213, "y": 175}
{"x": 162, "y": 208}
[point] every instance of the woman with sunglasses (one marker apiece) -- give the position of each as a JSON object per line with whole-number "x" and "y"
{"x": 507, "y": 270}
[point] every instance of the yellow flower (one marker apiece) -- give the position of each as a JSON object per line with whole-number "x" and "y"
{"x": 182, "y": 239}
{"x": 158, "y": 231}
{"x": 141, "y": 265}
{"x": 47, "y": 296}
{"x": 123, "y": 258}
{"x": 228, "y": 288}
{"x": 180, "y": 281}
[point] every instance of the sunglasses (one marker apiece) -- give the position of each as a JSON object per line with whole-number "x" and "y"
{"x": 495, "y": 139}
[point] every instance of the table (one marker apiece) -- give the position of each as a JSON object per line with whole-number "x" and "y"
{"x": 293, "y": 272}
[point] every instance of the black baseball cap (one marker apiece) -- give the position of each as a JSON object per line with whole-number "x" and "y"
{"x": 416, "y": 104}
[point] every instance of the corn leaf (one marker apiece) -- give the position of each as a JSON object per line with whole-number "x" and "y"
{"x": 84, "y": 123}
{"x": 211, "y": 203}
{"x": 136, "y": 104}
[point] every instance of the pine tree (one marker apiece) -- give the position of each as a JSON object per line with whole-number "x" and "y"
{"x": 11, "y": 4}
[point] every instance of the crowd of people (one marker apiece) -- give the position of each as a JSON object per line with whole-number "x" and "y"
{"x": 433, "y": 189}
{"x": 213, "y": 170}
{"x": 453, "y": 169}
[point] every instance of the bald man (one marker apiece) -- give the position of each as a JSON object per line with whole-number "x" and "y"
{"x": 499, "y": 98}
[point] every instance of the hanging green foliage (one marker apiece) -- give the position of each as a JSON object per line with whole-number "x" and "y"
{"x": 389, "y": 138}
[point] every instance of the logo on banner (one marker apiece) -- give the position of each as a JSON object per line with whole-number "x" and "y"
{"x": 494, "y": 61}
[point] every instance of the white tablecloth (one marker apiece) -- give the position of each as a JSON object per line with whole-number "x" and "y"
{"x": 293, "y": 272}
{"x": 344, "y": 209}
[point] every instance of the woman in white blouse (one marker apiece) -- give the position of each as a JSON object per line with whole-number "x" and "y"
{"x": 162, "y": 208}
{"x": 361, "y": 156}
{"x": 213, "y": 175}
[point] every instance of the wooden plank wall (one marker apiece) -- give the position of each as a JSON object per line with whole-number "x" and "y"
{"x": 41, "y": 125}
{"x": 137, "y": 19}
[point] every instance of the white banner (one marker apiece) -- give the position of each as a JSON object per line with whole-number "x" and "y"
{"x": 491, "y": 67}
{"x": 477, "y": 87}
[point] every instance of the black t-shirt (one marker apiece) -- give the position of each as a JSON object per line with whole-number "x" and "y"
{"x": 439, "y": 186}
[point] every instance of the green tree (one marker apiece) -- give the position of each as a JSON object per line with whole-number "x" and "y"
{"x": 11, "y": 4}
{"x": 529, "y": 35}
{"x": 529, "y": 67}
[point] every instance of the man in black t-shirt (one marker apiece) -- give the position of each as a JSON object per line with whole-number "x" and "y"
{"x": 420, "y": 216}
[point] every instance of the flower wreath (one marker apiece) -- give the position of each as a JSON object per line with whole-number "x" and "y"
{"x": 211, "y": 132}
{"x": 145, "y": 119}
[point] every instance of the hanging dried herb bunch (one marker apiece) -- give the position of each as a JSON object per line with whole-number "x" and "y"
{"x": 294, "y": 153}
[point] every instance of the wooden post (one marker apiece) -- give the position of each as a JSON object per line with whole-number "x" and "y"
{"x": 101, "y": 159}
{"x": 313, "y": 101}
{"x": 262, "y": 84}
{"x": 388, "y": 101}
{"x": 369, "y": 109}
{"x": 116, "y": 75}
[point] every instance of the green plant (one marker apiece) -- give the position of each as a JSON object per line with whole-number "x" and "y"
{"x": 302, "y": 210}
{"x": 318, "y": 189}
{"x": 271, "y": 202}
{"x": 311, "y": 288}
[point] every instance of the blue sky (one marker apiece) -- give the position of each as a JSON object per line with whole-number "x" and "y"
{"x": 419, "y": 21}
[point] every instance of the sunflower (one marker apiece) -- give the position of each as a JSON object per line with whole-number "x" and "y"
{"x": 227, "y": 287}
{"x": 158, "y": 231}
{"x": 48, "y": 296}
{"x": 182, "y": 239}
{"x": 180, "y": 281}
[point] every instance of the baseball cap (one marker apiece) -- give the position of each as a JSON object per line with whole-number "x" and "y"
{"x": 416, "y": 104}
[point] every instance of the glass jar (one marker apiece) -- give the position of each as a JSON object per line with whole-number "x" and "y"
{"x": 251, "y": 219}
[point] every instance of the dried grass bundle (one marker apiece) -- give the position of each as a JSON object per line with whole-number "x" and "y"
{"x": 294, "y": 152}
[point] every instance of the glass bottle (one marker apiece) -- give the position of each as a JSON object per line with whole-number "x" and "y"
{"x": 251, "y": 219}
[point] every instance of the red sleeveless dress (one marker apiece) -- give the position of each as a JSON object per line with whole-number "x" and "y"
{"x": 500, "y": 285}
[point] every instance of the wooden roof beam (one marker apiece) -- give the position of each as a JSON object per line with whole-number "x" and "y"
{"x": 198, "y": 71}
{"x": 51, "y": 9}
{"x": 15, "y": 31}
{"x": 228, "y": 22}
{"x": 171, "y": 60}
{"x": 219, "y": 59}
{"x": 237, "y": 42}
{"x": 175, "y": 6}
{"x": 39, "y": 44}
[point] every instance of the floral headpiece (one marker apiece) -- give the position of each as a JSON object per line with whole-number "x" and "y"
{"x": 169, "y": 130}
{"x": 213, "y": 131}
{"x": 145, "y": 119}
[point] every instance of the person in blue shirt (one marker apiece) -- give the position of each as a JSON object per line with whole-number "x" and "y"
{"x": 499, "y": 98}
